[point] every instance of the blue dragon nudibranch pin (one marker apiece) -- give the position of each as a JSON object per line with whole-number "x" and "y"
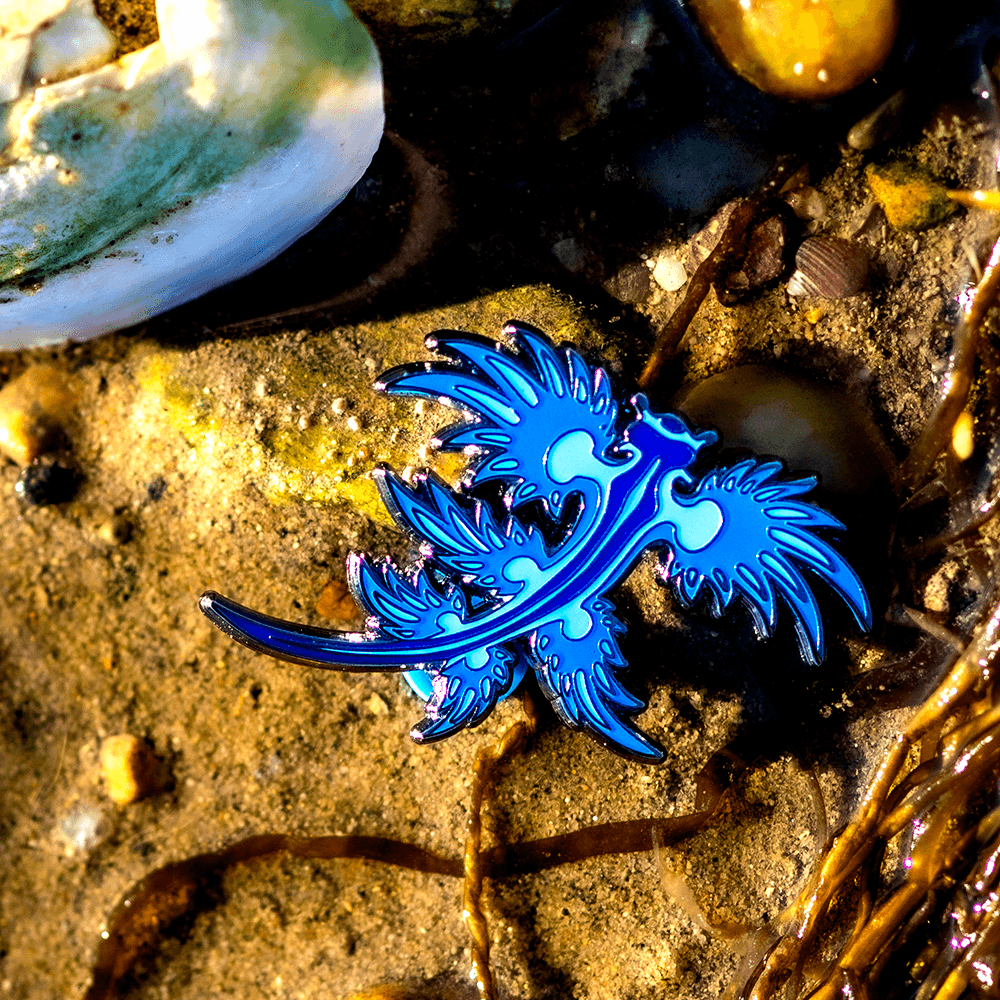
{"x": 495, "y": 594}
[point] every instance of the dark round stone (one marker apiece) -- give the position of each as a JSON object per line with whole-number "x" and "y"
{"x": 44, "y": 483}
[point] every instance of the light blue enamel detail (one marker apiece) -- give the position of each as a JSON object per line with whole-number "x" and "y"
{"x": 493, "y": 597}
{"x": 701, "y": 526}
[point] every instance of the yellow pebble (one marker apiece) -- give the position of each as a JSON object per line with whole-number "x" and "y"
{"x": 815, "y": 315}
{"x": 131, "y": 770}
{"x": 801, "y": 49}
{"x": 961, "y": 435}
{"x": 34, "y": 408}
{"x": 909, "y": 195}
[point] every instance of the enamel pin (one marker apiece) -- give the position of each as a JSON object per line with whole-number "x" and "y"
{"x": 562, "y": 495}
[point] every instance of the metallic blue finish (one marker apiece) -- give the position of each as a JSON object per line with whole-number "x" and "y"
{"x": 585, "y": 491}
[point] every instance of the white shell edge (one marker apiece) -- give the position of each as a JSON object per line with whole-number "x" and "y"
{"x": 217, "y": 238}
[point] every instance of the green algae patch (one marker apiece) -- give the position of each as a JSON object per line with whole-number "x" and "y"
{"x": 288, "y": 485}
{"x": 298, "y": 419}
{"x": 319, "y": 465}
{"x": 186, "y": 410}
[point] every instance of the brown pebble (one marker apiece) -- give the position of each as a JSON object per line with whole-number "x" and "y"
{"x": 336, "y": 603}
{"x": 34, "y": 410}
{"x": 131, "y": 769}
{"x": 802, "y": 51}
{"x": 764, "y": 260}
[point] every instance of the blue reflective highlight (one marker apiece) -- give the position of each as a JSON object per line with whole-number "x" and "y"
{"x": 586, "y": 486}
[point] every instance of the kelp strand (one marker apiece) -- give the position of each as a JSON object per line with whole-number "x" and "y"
{"x": 936, "y": 435}
{"x": 936, "y": 795}
{"x": 157, "y": 901}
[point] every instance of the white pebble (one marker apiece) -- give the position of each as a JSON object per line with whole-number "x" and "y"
{"x": 83, "y": 829}
{"x": 353, "y": 424}
{"x": 669, "y": 273}
{"x": 339, "y": 406}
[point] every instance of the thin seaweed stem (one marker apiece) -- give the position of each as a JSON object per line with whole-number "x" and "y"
{"x": 937, "y": 433}
{"x": 726, "y": 252}
{"x": 489, "y": 761}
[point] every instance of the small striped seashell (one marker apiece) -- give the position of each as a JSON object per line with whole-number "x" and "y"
{"x": 829, "y": 267}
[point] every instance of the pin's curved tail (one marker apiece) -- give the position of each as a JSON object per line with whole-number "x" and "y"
{"x": 315, "y": 647}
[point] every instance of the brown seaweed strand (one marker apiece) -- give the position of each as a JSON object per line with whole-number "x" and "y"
{"x": 627, "y": 837}
{"x": 848, "y": 852}
{"x": 928, "y": 865}
{"x": 971, "y": 910}
{"x": 489, "y": 760}
{"x": 147, "y": 910}
{"x": 937, "y": 432}
{"x": 168, "y": 893}
{"x": 726, "y": 252}
{"x": 947, "y": 984}
{"x": 669, "y": 337}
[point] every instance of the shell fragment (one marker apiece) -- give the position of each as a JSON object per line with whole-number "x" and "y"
{"x": 179, "y": 167}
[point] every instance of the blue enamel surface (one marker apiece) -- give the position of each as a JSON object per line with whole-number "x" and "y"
{"x": 523, "y": 583}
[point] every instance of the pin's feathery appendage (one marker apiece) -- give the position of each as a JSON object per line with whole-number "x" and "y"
{"x": 519, "y": 404}
{"x": 766, "y": 548}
